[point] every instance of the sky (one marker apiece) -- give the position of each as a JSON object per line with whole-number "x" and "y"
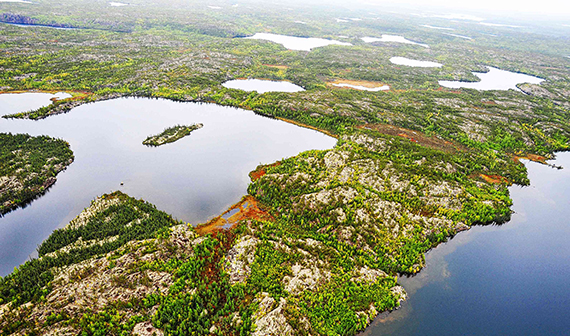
{"x": 560, "y": 8}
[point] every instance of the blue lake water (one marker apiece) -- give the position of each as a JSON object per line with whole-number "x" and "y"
{"x": 194, "y": 179}
{"x": 512, "y": 279}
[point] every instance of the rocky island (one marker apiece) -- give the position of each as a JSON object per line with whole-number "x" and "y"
{"x": 171, "y": 134}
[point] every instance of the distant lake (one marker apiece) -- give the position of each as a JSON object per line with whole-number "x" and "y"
{"x": 414, "y": 63}
{"x": 16, "y": 1}
{"x": 364, "y": 88}
{"x": 512, "y": 279}
{"x": 391, "y": 38}
{"x": 194, "y": 179}
{"x": 435, "y": 27}
{"x": 460, "y": 36}
{"x": 262, "y": 86}
{"x": 297, "y": 43}
{"x": 495, "y": 79}
{"x": 36, "y": 25}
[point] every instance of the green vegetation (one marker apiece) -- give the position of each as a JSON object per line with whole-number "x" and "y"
{"x": 181, "y": 283}
{"x": 387, "y": 196}
{"x": 171, "y": 134}
{"x": 107, "y": 225}
{"x": 28, "y": 167}
{"x": 407, "y": 173}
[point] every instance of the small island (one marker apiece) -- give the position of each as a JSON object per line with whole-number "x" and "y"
{"x": 171, "y": 134}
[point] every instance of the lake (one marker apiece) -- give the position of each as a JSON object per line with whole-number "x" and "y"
{"x": 460, "y": 36}
{"x": 435, "y": 27}
{"x": 495, "y": 79}
{"x": 391, "y": 38}
{"x": 363, "y": 88}
{"x": 23, "y": 102}
{"x": 414, "y": 63}
{"x": 262, "y": 86}
{"x": 512, "y": 279}
{"x": 194, "y": 179}
{"x": 37, "y": 25}
{"x": 297, "y": 43}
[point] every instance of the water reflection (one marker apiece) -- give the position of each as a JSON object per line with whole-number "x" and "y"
{"x": 511, "y": 279}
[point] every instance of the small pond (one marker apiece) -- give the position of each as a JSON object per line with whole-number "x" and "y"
{"x": 414, "y": 63}
{"x": 495, "y": 79}
{"x": 435, "y": 27}
{"x": 459, "y": 36}
{"x": 194, "y": 179}
{"x": 297, "y": 43}
{"x": 391, "y": 38}
{"x": 262, "y": 86}
{"x": 364, "y": 88}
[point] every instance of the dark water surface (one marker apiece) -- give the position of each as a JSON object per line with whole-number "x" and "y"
{"x": 193, "y": 179}
{"x": 512, "y": 279}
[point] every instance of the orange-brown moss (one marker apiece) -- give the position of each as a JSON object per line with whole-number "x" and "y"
{"x": 260, "y": 171}
{"x": 531, "y": 157}
{"x": 494, "y": 179}
{"x": 248, "y": 208}
{"x": 415, "y": 136}
{"x": 366, "y": 84}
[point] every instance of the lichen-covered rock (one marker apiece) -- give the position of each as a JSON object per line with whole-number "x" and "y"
{"x": 146, "y": 329}
{"x": 305, "y": 277}
{"x": 269, "y": 320}
{"x": 239, "y": 258}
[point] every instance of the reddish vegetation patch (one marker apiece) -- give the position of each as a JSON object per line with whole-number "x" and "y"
{"x": 441, "y": 88}
{"x": 260, "y": 171}
{"x": 415, "y": 136}
{"x": 489, "y": 102}
{"x": 495, "y": 179}
{"x": 248, "y": 208}
{"x": 404, "y": 135}
{"x": 366, "y": 84}
{"x": 531, "y": 157}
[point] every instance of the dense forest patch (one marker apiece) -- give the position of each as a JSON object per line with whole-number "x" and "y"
{"x": 29, "y": 166}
